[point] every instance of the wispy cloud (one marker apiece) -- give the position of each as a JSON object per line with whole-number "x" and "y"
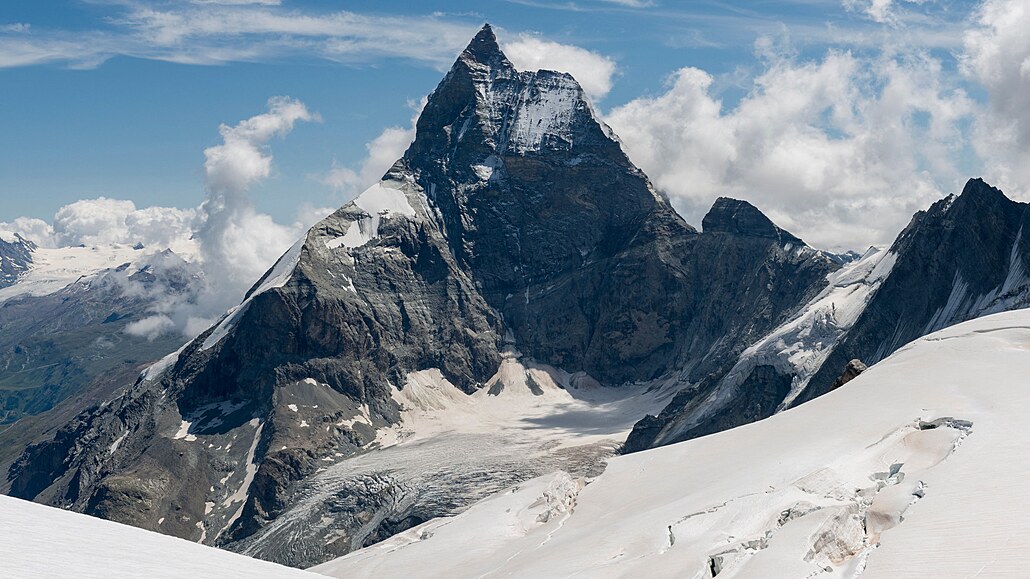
{"x": 16, "y": 27}
{"x": 739, "y": 27}
{"x": 632, "y": 3}
{"x": 239, "y": 2}
{"x": 587, "y": 5}
{"x": 221, "y": 31}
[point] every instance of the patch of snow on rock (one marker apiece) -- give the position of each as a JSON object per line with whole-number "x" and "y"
{"x": 383, "y": 198}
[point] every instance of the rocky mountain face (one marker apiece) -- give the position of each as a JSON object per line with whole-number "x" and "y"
{"x": 15, "y": 257}
{"x": 512, "y": 260}
{"x": 965, "y": 257}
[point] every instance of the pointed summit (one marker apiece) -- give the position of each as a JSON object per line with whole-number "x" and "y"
{"x": 979, "y": 192}
{"x": 485, "y": 39}
{"x": 483, "y": 49}
{"x": 742, "y": 218}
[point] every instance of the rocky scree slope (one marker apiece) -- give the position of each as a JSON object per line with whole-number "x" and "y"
{"x": 514, "y": 226}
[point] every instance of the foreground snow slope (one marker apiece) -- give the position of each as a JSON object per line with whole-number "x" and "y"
{"x": 41, "y": 541}
{"x": 917, "y": 468}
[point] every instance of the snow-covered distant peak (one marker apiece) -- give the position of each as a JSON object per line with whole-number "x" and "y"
{"x": 11, "y": 237}
{"x": 53, "y": 269}
{"x": 15, "y": 257}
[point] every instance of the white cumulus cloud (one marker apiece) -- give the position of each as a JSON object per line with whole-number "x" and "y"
{"x": 241, "y": 159}
{"x": 997, "y": 56}
{"x": 595, "y": 72}
{"x": 841, "y": 151}
{"x": 104, "y": 221}
{"x": 226, "y": 237}
{"x": 235, "y": 239}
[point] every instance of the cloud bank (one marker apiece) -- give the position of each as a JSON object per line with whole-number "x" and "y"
{"x": 842, "y": 149}
{"x": 104, "y": 221}
{"x": 997, "y": 56}
{"x": 226, "y": 239}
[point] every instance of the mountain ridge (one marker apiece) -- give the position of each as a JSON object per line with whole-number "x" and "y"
{"x": 963, "y": 257}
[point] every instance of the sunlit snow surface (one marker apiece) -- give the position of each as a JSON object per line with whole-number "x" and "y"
{"x": 54, "y": 269}
{"x": 383, "y": 198}
{"x": 914, "y": 469}
{"x": 41, "y": 541}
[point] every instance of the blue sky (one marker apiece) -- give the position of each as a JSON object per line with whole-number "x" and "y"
{"x": 120, "y": 98}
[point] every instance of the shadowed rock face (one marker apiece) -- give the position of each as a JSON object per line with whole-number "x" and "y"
{"x": 15, "y": 258}
{"x": 513, "y": 221}
{"x": 742, "y": 218}
{"x": 589, "y": 267}
{"x": 965, "y": 257}
{"x": 554, "y": 223}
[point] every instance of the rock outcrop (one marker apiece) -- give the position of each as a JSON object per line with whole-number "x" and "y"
{"x": 15, "y": 257}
